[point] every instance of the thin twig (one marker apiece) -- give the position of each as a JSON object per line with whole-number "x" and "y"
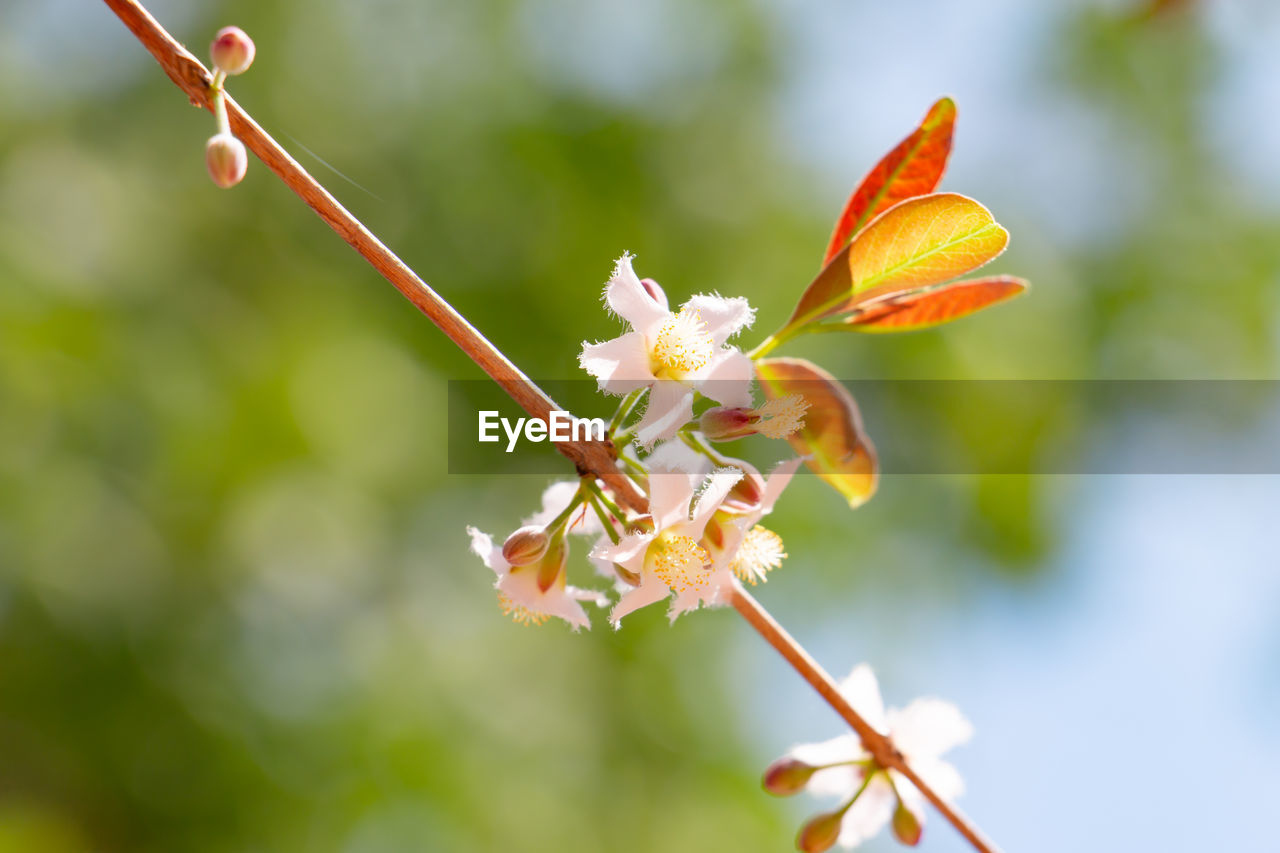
{"x": 192, "y": 77}
{"x": 590, "y": 457}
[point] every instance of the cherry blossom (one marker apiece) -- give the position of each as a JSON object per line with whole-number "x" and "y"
{"x": 668, "y": 556}
{"x": 872, "y": 796}
{"x": 672, "y": 354}
{"x": 533, "y": 593}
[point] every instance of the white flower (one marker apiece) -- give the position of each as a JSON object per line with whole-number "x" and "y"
{"x": 734, "y": 535}
{"x": 533, "y": 593}
{"x": 922, "y": 731}
{"x": 671, "y": 354}
{"x": 670, "y": 557}
{"x": 751, "y": 549}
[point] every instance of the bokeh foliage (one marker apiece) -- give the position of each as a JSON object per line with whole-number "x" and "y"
{"x": 236, "y": 608}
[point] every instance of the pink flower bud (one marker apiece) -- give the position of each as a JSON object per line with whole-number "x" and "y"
{"x": 525, "y": 545}
{"x": 227, "y": 160}
{"x": 787, "y": 776}
{"x": 820, "y": 833}
{"x": 907, "y": 826}
{"x": 655, "y": 291}
{"x": 725, "y": 424}
{"x": 232, "y": 51}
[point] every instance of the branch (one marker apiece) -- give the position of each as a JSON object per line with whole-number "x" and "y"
{"x": 596, "y": 457}
{"x": 589, "y": 457}
{"x": 880, "y": 747}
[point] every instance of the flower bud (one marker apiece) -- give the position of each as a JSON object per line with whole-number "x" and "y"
{"x": 907, "y": 826}
{"x": 820, "y": 833}
{"x": 227, "y": 160}
{"x": 725, "y": 424}
{"x": 232, "y": 51}
{"x": 525, "y": 545}
{"x": 655, "y": 291}
{"x": 778, "y": 418}
{"x": 787, "y": 776}
{"x": 551, "y": 566}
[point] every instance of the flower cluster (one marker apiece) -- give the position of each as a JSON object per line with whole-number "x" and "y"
{"x": 872, "y": 796}
{"x": 702, "y": 530}
{"x": 678, "y": 520}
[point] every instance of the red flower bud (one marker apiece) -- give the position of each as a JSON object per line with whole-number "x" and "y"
{"x": 725, "y": 424}
{"x": 232, "y": 51}
{"x": 525, "y": 545}
{"x": 820, "y": 833}
{"x": 227, "y": 160}
{"x": 787, "y": 776}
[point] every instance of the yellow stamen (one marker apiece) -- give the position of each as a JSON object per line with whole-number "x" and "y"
{"x": 760, "y": 551}
{"x": 781, "y": 417}
{"x": 680, "y": 563}
{"x": 683, "y": 344}
{"x": 520, "y": 614}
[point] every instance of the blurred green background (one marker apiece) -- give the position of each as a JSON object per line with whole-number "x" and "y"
{"x": 237, "y": 610}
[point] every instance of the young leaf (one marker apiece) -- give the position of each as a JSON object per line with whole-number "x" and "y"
{"x": 916, "y": 243}
{"x": 914, "y": 167}
{"x": 832, "y": 438}
{"x": 893, "y": 310}
{"x": 923, "y": 241}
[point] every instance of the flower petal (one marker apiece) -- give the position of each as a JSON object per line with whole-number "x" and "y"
{"x": 482, "y": 545}
{"x": 651, "y": 589}
{"x": 629, "y": 551}
{"x": 863, "y": 693}
{"x": 777, "y": 481}
{"x": 945, "y": 779}
{"x": 620, "y": 364}
{"x": 670, "y": 496}
{"x": 675, "y": 455}
{"x": 727, "y": 378}
{"x": 718, "y": 484}
{"x": 521, "y": 588}
{"x": 724, "y": 317}
{"x": 712, "y": 595}
{"x": 927, "y": 728}
{"x": 628, "y": 299}
{"x": 869, "y": 814}
{"x": 670, "y": 407}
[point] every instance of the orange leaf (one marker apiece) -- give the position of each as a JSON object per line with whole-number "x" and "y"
{"x": 916, "y": 243}
{"x": 914, "y": 167}
{"x": 832, "y": 438}
{"x": 925, "y": 240}
{"x": 893, "y": 310}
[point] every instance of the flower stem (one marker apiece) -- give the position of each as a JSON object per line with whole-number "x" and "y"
{"x": 600, "y": 499}
{"x": 624, "y": 408}
{"x": 558, "y": 522}
{"x": 605, "y": 521}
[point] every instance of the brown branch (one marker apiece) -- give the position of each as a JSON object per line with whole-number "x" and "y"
{"x": 880, "y": 746}
{"x": 597, "y": 458}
